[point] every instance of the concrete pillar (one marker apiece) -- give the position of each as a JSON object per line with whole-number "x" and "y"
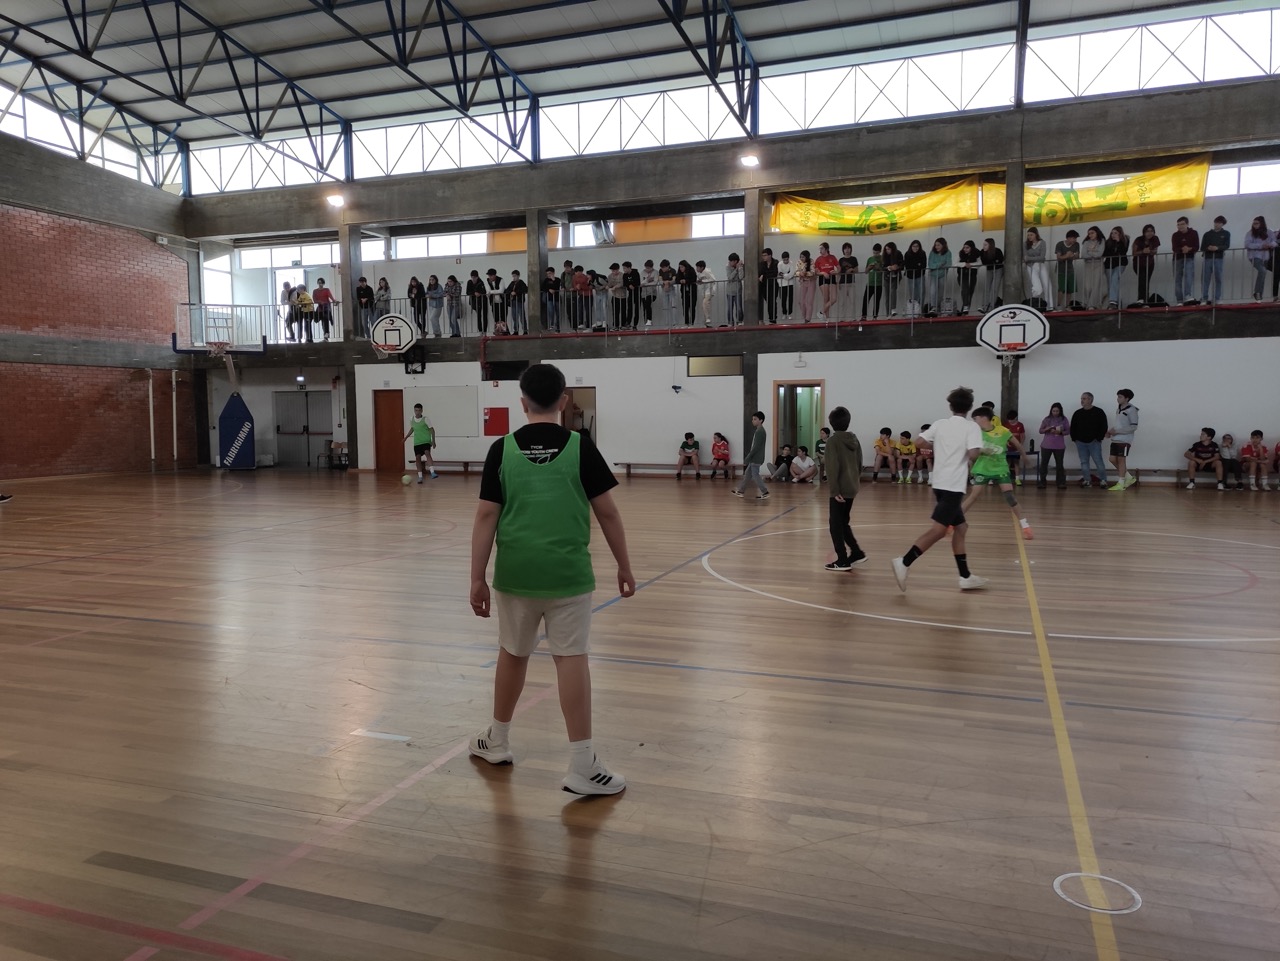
{"x": 350, "y": 268}
{"x": 753, "y": 244}
{"x": 535, "y": 226}
{"x": 351, "y": 403}
{"x": 750, "y": 397}
{"x": 1014, "y": 237}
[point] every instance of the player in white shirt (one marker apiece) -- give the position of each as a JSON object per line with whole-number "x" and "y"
{"x": 956, "y": 442}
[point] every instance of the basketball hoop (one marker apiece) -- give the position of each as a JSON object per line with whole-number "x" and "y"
{"x": 386, "y": 350}
{"x": 218, "y": 348}
{"x": 1010, "y": 352}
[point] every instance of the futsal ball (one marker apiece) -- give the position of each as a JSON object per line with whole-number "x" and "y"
{"x": 406, "y": 480}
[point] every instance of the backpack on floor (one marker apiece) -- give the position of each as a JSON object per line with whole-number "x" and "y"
{"x": 948, "y": 308}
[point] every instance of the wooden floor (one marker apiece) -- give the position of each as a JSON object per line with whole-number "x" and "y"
{"x": 233, "y": 710}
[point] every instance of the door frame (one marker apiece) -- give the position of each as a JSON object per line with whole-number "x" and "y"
{"x": 817, "y": 382}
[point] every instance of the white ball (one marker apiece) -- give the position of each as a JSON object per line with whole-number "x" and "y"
{"x": 406, "y": 480}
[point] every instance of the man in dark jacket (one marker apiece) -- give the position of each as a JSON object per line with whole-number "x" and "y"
{"x": 844, "y": 473}
{"x": 1088, "y": 427}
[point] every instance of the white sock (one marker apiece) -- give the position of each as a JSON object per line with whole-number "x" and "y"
{"x": 582, "y": 757}
{"x": 1024, "y": 522}
{"x": 500, "y": 732}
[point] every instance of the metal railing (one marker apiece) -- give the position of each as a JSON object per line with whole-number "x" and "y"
{"x": 1164, "y": 281}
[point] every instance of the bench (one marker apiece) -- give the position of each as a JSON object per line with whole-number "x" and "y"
{"x": 629, "y": 465}
{"x": 461, "y": 466}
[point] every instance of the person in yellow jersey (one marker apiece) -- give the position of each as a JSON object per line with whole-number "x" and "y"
{"x": 540, "y": 486}
{"x": 908, "y": 454}
{"x": 992, "y": 465}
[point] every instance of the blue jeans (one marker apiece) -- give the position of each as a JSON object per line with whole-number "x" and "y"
{"x": 519, "y": 324}
{"x": 1091, "y": 450}
{"x": 1113, "y": 284}
{"x": 1212, "y": 268}
{"x": 751, "y": 475}
{"x": 1259, "y": 277}
{"x": 1184, "y": 279}
{"x": 734, "y": 307}
{"x": 551, "y": 313}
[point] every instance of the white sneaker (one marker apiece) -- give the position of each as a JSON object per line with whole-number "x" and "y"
{"x": 972, "y": 583}
{"x": 600, "y": 780}
{"x": 419, "y": 477}
{"x": 1191, "y": 486}
{"x": 1220, "y": 486}
{"x": 485, "y": 747}
{"x": 900, "y": 572}
{"x": 1266, "y": 486}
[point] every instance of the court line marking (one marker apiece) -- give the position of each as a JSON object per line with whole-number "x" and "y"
{"x": 345, "y": 823}
{"x": 959, "y": 627}
{"x": 1104, "y": 935}
{"x": 128, "y": 929}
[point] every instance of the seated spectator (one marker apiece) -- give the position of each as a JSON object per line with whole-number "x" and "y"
{"x": 780, "y": 470}
{"x": 688, "y": 454}
{"x": 906, "y": 450}
{"x": 804, "y": 468}
{"x": 924, "y": 456}
{"x": 1230, "y": 455}
{"x": 1203, "y": 456}
{"x": 1256, "y": 460}
{"x": 886, "y": 454}
{"x": 719, "y": 454}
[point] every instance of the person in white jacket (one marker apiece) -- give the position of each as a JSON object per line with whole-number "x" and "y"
{"x": 707, "y": 287}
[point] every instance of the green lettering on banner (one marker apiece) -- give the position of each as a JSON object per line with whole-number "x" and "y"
{"x": 871, "y": 220}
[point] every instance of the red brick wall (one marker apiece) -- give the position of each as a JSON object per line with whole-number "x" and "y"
{"x": 70, "y": 278}
{"x": 81, "y": 281}
{"x": 80, "y": 420}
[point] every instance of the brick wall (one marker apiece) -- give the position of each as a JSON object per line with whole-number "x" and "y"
{"x": 70, "y": 278}
{"x": 62, "y": 419}
{"x": 81, "y": 282}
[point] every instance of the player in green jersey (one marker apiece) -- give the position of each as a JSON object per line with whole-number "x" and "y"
{"x": 992, "y": 465}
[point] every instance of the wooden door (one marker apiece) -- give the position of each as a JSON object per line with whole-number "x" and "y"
{"x": 389, "y": 451}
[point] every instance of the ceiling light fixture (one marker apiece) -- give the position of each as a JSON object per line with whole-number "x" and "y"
{"x": 336, "y": 200}
{"x": 750, "y": 160}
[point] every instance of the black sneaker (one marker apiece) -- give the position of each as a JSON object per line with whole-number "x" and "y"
{"x": 858, "y": 561}
{"x": 5, "y": 497}
{"x": 835, "y": 567}
{"x": 764, "y": 495}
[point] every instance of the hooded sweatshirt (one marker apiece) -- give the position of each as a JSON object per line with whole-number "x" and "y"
{"x": 844, "y": 463}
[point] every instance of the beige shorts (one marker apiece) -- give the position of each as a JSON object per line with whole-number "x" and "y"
{"x": 568, "y": 621}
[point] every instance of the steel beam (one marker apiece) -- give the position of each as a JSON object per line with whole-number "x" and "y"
{"x": 462, "y": 43}
{"x": 722, "y": 37}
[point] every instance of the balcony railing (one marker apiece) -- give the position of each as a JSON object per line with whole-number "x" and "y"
{"x": 1170, "y": 283}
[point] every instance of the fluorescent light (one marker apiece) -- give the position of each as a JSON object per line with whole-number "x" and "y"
{"x": 750, "y": 160}
{"x": 336, "y": 200}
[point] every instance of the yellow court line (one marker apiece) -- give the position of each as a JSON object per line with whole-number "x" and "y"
{"x": 1104, "y": 935}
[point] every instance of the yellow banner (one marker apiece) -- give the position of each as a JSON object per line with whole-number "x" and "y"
{"x": 1180, "y": 187}
{"x": 947, "y": 205}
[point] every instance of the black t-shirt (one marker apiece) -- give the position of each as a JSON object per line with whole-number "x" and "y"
{"x": 542, "y": 443}
{"x": 848, "y": 267}
{"x": 1204, "y": 450}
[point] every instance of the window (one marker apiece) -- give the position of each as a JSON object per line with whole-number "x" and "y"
{"x": 320, "y": 255}
{"x": 475, "y": 243}
{"x": 719, "y": 366}
{"x": 216, "y": 279}
{"x": 445, "y": 245}
{"x": 257, "y": 258}
{"x": 285, "y": 256}
{"x": 729, "y": 224}
{"x": 407, "y": 248}
{"x": 1223, "y": 182}
{"x": 371, "y": 250}
{"x": 583, "y": 235}
{"x": 1260, "y": 179}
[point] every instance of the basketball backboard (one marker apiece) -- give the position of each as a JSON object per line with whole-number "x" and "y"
{"x": 1013, "y": 329}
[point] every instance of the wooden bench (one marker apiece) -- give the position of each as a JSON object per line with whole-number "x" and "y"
{"x": 629, "y": 465}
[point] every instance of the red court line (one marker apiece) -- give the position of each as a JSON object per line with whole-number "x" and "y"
{"x": 360, "y": 813}
{"x": 184, "y": 942}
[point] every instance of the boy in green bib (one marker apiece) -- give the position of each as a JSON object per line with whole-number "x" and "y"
{"x": 992, "y": 465}
{"x": 540, "y": 486}
{"x": 424, "y": 438}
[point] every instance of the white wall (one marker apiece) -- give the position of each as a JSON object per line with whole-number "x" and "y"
{"x": 1179, "y": 387}
{"x": 638, "y": 416}
{"x": 256, "y": 389}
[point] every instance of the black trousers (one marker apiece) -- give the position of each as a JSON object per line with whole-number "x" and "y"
{"x": 788, "y": 297}
{"x": 842, "y": 538}
{"x": 1056, "y": 456}
{"x": 869, "y": 294}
